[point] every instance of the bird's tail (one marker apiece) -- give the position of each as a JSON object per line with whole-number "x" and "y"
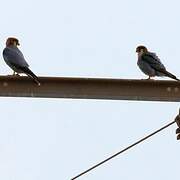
{"x": 27, "y": 71}
{"x": 171, "y": 75}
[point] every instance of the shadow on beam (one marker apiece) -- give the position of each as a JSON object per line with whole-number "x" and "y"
{"x": 90, "y": 88}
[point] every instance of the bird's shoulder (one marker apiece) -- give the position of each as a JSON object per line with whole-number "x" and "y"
{"x": 12, "y": 51}
{"x": 6, "y": 50}
{"x": 150, "y": 55}
{"x": 153, "y": 60}
{"x": 150, "y": 58}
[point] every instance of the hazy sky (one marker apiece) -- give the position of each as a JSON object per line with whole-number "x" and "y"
{"x": 43, "y": 139}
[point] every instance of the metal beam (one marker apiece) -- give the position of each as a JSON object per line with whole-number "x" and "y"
{"x": 90, "y": 88}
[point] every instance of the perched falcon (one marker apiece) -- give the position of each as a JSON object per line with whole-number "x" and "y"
{"x": 15, "y": 59}
{"x": 150, "y": 64}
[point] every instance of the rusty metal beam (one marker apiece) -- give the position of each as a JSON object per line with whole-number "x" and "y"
{"x": 90, "y": 88}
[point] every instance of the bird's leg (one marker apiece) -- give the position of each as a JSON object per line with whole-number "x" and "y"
{"x": 15, "y": 74}
{"x": 149, "y": 78}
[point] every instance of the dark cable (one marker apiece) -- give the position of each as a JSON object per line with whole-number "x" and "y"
{"x": 109, "y": 158}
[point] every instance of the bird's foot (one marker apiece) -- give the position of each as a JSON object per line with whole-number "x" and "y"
{"x": 15, "y": 74}
{"x": 148, "y": 79}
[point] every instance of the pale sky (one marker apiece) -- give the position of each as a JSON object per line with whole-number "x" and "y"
{"x": 43, "y": 139}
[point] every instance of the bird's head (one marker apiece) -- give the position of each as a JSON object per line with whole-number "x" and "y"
{"x": 141, "y": 49}
{"x": 11, "y": 41}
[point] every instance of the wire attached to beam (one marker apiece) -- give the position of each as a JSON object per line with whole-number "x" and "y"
{"x": 129, "y": 147}
{"x": 177, "y": 119}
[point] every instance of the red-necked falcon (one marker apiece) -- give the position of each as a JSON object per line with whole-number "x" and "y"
{"x": 150, "y": 64}
{"x": 15, "y": 59}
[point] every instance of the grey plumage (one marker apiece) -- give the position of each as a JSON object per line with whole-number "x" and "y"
{"x": 15, "y": 59}
{"x": 151, "y": 65}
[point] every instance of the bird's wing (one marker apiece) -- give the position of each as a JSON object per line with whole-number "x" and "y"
{"x": 15, "y": 57}
{"x": 156, "y": 64}
{"x": 153, "y": 61}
